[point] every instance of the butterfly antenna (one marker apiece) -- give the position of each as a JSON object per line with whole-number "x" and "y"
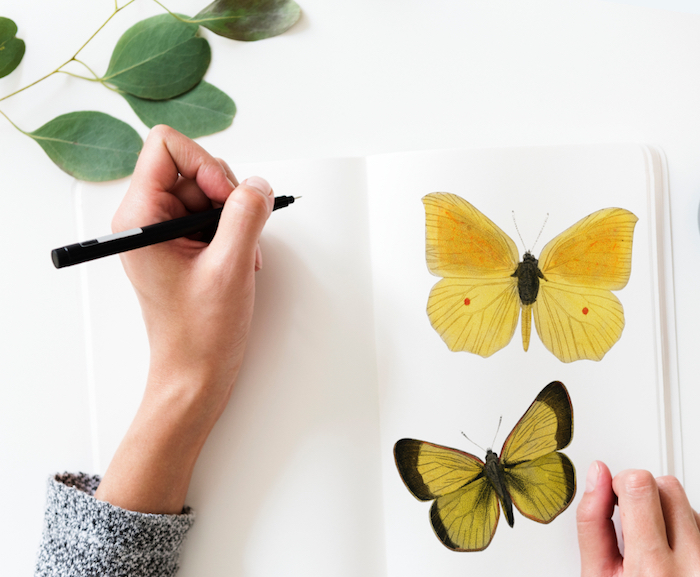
{"x": 472, "y": 442}
{"x": 497, "y": 429}
{"x": 539, "y": 235}
{"x": 518, "y": 231}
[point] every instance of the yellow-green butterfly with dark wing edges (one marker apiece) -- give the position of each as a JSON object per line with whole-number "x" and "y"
{"x": 530, "y": 474}
{"x": 475, "y": 307}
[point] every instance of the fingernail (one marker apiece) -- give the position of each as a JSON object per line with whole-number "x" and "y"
{"x": 592, "y": 477}
{"x": 259, "y": 184}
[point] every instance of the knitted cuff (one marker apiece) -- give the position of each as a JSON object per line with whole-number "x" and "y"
{"x": 83, "y": 536}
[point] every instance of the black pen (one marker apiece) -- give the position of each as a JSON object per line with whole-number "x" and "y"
{"x": 204, "y": 222}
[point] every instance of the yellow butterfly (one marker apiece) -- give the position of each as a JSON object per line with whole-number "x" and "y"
{"x": 475, "y": 306}
{"x": 529, "y": 474}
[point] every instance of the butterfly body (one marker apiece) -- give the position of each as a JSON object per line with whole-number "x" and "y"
{"x": 496, "y": 475}
{"x": 530, "y": 474}
{"x": 484, "y": 286}
{"x": 528, "y": 275}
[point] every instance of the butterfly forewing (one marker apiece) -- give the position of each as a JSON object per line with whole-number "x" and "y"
{"x": 462, "y": 242}
{"x": 595, "y": 252}
{"x": 545, "y": 427}
{"x": 543, "y": 488}
{"x": 466, "y": 519}
{"x": 430, "y": 471}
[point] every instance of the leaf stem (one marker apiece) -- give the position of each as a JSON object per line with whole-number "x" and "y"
{"x": 79, "y": 76}
{"x": 12, "y": 123}
{"x": 117, "y": 9}
{"x": 90, "y": 70}
{"x": 177, "y": 16}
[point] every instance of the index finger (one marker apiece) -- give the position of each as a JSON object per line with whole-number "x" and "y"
{"x": 641, "y": 515}
{"x": 168, "y": 155}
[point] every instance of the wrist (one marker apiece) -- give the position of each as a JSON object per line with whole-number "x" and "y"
{"x": 152, "y": 468}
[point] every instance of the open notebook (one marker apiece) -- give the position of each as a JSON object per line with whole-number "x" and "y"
{"x": 298, "y": 477}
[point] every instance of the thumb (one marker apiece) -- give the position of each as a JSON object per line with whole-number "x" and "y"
{"x": 245, "y": 213}
{"x": 600, "y": 556}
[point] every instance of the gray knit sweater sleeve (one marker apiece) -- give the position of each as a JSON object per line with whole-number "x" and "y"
{"x": 83, "y": 536}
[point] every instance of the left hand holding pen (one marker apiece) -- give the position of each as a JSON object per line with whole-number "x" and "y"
{"x": 197, "y": 304}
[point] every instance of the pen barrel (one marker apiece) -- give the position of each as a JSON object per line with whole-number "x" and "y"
{"x": 135, "y": 238}
{"x": 200, "y": 222}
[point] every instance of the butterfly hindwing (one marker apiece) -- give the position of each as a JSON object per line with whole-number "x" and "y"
{"x": 479, "y": 316}
{"x": 577, "y": 322}
{"x": 543, "y": 488}
{"x": 466, "y": 520}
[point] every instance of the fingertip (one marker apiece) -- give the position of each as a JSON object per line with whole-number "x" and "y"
{"x": 592, "y": 476}
{"x": 245, "y": 212}
{"x": 260, "y": 185}
{"x": 596, "y": 532}
{"x": 635, "y": 484}
{"x": 229, "y": 173}
{"x": 598, "y": 498}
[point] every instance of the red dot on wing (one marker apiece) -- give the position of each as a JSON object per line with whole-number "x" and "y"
{"x": 585, "y": 310}
{"x": 467, "y": 302}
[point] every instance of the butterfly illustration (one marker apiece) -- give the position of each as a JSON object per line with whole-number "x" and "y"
{"x": 529, "y": 474}
{"x": 475, "y": 307}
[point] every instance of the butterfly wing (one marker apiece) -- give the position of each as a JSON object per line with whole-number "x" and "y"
{"x": 462, "y": 242}
{"x": 595, "y": 252}
{"x": 475, "y": 315}
{"x": 547, "y": 426}
{"x": 465, "y": 512}
{"x": 475, "y": 307}
{"x": 576, "y": 315}
{"x": 543, "y": 488}
{"x": 466, "y": 520}
{"x": 540, "y": 481}
{"x": 577, "y": 323}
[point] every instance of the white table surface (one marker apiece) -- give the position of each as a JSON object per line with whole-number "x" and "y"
{"x": 352, "y": 78}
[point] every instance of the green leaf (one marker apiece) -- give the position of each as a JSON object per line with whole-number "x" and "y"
{"x": 249, "y": 19}
{"x": 158, "y": 58}
{"x": 11, "y": 48}
{"x": 90, "y": 145}
{"x": 203, "y": 110}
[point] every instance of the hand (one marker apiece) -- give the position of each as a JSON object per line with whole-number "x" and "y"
{"x": 197, "y": 304}
{"x": 197, "y": 299}
{"x": 659, "y": 526}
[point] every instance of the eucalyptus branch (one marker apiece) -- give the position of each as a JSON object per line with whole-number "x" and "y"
{"x": 157, "y": 66}
{"x": 117, "y": 9}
